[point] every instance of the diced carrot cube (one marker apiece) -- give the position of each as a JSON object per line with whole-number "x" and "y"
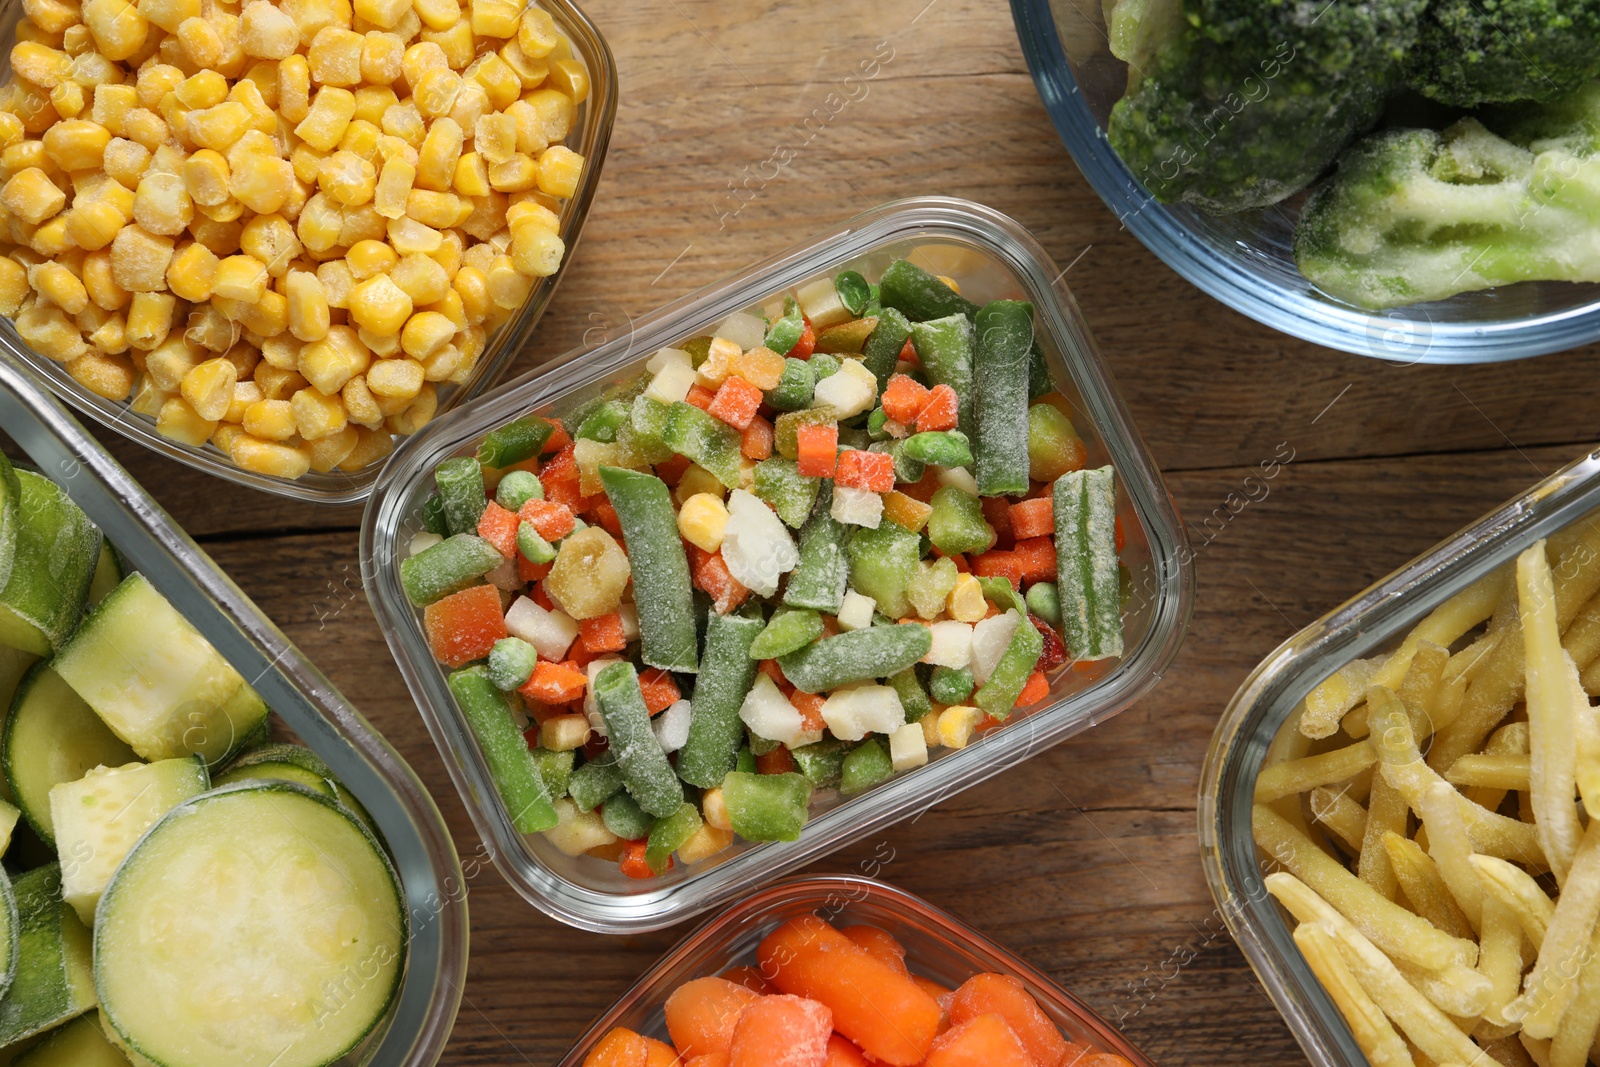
{"x": 997, "y": 513}
{"x": 817, "y": 447}
{"x": 603, "y": 513}
{"x": 553, "y": 521}
{"x": 751, "y": 978}
{"x": 998, "y": 563}
{"x": 498, "y": 526}
{"x": 770, "y": 668}
{"x": 807, "y": 344}
{"x": 560, "y": 479}
{"x": 875, "y": 941}
{"x": 986, "y": 1041}
{"x": 634, "y": 865}
{"x": 464, "y": 626}
{"x": 1033, "y": 518}
{"x": 701, "y": 1014}
{"x": 659, "y": 689}
{"x": 859, "y": 469}
{"x": 1036, "y": 556}
{"x": 781, "y": 1030}
{"x": 904, "y": 398}
{"x": 756, "y": 441}
{"x": 700, "y": 397}
{"x": 555, "y": 683}
{"x": 778, "y": 761}
{"x": 905, "y": 510}
{"x": 711, "y": 575}
{"x": 559, "y": 439}
{"x": 940, "y": 411}
{"x": 924, "y": 488}
{"x": 735, "y": 403}
{"x": 1035, "y": 690}
{"x": 908, "y": 354}
{"x": 841, "y": 1053}
{"x": 660, "y": 1054}
{"x": 542, "y": 598}
{"x": 619, "y": 1048}
{"x": 1003, "y": 995}
{"x": 603, "y": 633}
{"x": 809, "y": 705}
{"x": 670, "y": 470}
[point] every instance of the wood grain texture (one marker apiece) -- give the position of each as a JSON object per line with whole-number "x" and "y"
{"x": 1083, "y": 860}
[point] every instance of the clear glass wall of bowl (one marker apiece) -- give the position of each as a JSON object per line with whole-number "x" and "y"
{"x": 590, "y": 137}
{"x": 992, "y": 257}
{"x": 419, "y": 1021}
{"x": 1371, "y": 623}
{"x": 1246, "y": 260}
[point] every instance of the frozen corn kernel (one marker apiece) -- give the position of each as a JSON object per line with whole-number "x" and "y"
{"x": 271, "y": 239}
{"x": 367, "y": 258}
{"x": 218, "y": 127}
{"x": 326, "y": 453}
{"x": 537, "y": 252}
{"x": 104, "y": 374}
{"x": 553, "y": 111}
{"x": 347, "y": 178}
{"x": 267, "y": 317}
{"x": 436, "y": 158}
{"x": 14, "y": 287}
{"x": 371, "y": 102}
{"x": 31, "y": 196}
{"x": 331, "y": 111}
{"x": 515, "y": 175}
{"x": 416, "y": 414}
{"x": 139, "y": 260}
{"x": 360, "y": 405}
{"x": 394, "y": 188}
{"x": 272, "y": 420}
{"x": 309, "y": 316}
{"x": 438, "y": 14}
{"x": 421, "y": 278}
{"x": 180, "y": 422}
{"x": 384, "y": 13}
{"x": 201, "y": 90}
{"x": 571, "y": 77}
{"x": 472, "y": 287}
{"x": 268, "y": 457}
{"x": 405, "y": 122}
{"x": 210, "y": 329}
{"x": 559, "y": 170}
{"x": 205, "y": 176}
{"x": 326, "y": 366}
{"x": 277, "y": 383}
{"x": 471, "y": 175}
{"x": 316, "y": 414}
{"x": 49, "y": 332}
{"x": 537, "y": 35}
{"x": 262, "y": 183}
{"x": 118, "y": 28}
{"x": 360, "y": 223}
{"x": 702, "y": 521}
{"x": 162, "y": 204}
{"x": 240, "y": 278}
{"x": 407, "y": 235}
{"x": 126, "y": 161}
{"x": 381, "y": 54}
{"x": 530, "y": 71}
{"x": 508, "y": 287}
{"x": 966, "y": 602}
{"x": 441, "y": 366}
{"x": 425, "y": 333}
{"x": 399, "y": 379}
{"x": 208, "y": 388}
{"x": 321, "y": 223}
{"x": 956, "y": 725}
{"x": 77, "y": 144}
{"x": 245, "y": 393}
{"x": 372, "y": 446}
{"x": 498, "y": 81}
{"x": 68, "y": 100}
{"x": 337, "y": 281}
{"x": 496, "y": 138}
{"x": 436, "y": 94}
{"x": 335, "y": 57}
{"x": 379, "y": 305}
{"x": 456, "y": 41}
{"x": 564, "y": 733}
{"x": 267, "y": 32}
{"x": 50, "y": 239}
{"x": 61, "y": 287}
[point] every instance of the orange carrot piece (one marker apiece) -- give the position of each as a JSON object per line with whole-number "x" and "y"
{"x": 932, "y": 988}
{"x": 997, "y": 513}
{"x": 702, "y": 1013}
{"x": 660, "y": 691}
{"x": 660, "y": 1054}
{"x": 756, "y": 441}
{"x": 807, "y": 344}
{"x": 905, "y": 510}
{"x": 735, "y": 403}
{"x": 1036, "y": 558}
{"x": 499, "y": 527}
{"x": 751, "y": 978}
{"x": 881, "y": 1010}
{"x": 532, "y": 572}
{"x": 770, "y": 668}
{"x": 554, "y": 683}
{"x": 924, "y": 488}
{"x": 619, "y": 1048}
{"x": 633, "y": 863}
{"x": 671, "y": 470}
{"x": 841, "y": 1053}
{"x": 809, "y": 705}
{"x": 559, "y": 439}
{"x": 1003, "y": 995}
{"x": 778, "y": 761}
{"x": 700, "y": 397}
{"x": 781, "y": 1031}
{"x": 986, "y": 1041}
{"x": 603, "y": 633}
{"x": 560, "y": 479}
{"x": 998, "y": 563}
{"x": 1033, "y": 518}
{"x": 606, "y": 515}
{"x": 858, "y": 469}
{"x": 553, "y": 521}
{"x": 904, "y": 398}
{"x": 940, "y": 411}
{"x": 1034, "y": 690}
{"x": 878, "y": 943}
{"x": 817, "y": 449}
{"x": 711, "y": 574}
{"x": 464, "y": 626}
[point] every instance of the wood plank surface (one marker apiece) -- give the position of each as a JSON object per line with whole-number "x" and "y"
{"x": 1085, "y": 859}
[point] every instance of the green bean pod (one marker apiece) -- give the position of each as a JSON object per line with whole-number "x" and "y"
{"x": 661, "y": 585}
{"x": 856, "y": 655}
{"x": 1005, "y": 330}
{"x": 715, "y": 729}
{"x": 645, "y": 770}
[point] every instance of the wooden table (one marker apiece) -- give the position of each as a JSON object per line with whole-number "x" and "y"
{"x": 1084, "y": 860}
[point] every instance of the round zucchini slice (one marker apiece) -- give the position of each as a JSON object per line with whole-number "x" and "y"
{"x": 52, "y": 736}
{"x": 258, "y": 924}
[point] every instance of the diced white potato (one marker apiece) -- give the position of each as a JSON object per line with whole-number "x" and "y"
{"x": 856, "y": 507}
{"x": 908, "y": 748}
{"x": 856, "y": 611}
{"x": 590, "y": 707}
{"x": 578, "y": 831}
{"x": 820, "y": 303}
{"x": 666, "y": 357}
{"x": 959, "y": 477}
{"x": 629, "y": 613}
{"x": 550, "y": 633}
{"x": 989, "y": 640}
{"x": 563, "y": 733}
{"x": 742, "y": 329}
{"x": 672, "y": 726}
{"x": 421, "y": 541}
{"x": 756, "y": 544}
{"x": 768, "y": 713}
{"x": 866, "y": 709}
{"x": 952, "y": 644}
{"x": 849, "y": 392}
{"x": 671, "y": 383}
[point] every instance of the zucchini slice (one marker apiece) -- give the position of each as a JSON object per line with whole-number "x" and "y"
{"x": 258, "y": 924}
{"x": 98, "y": 819}
{"x": 156, "y": 681}
{"x": 57, "y": 548}
{"x": 291, "y": 763}
{"x": 55, "y": 981}
{"x": 51, "y": 737}
{"x": 80, "y": 1043}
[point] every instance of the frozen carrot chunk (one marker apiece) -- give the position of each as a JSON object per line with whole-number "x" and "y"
{"x": 499, "y": 527}
{"x": 1033, "y": 518}
{"x": 756, "y": 441}
{"x": 619, "y": 1048}
{"x": 904, "y": 398}
{"x": 702, "y": 1013}
{"x": 878, "y": 943}
{"x": 660, "y": 691}
{"x": 857, "y": 469}
{"x": 781, "y": 1031}
{"x": 751, "y": 978}
{"x": 554, "y": 683}
{"x": 711, "y": 575}
{"x": 464, "y": 626}
{"x": 841, "y": 1053}
{"x": 560, "y": 479}
{"x": 985, "y": 1041}
{"x": 940, "y": 411}
{"x": 553, "y": 521}
{"x": 817, "y": 449}
{"x": 700, "y": 397}
{"x": 603, "y": 633}
{"x": 736, "y": 402}
{"x": 660, "y": 1054}
{"x": 1003, "y": 995}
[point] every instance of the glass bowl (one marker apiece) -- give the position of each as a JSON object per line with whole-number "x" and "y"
{"x": 1246, "y": 260}
{"x": 1370, "y": 623}
{"x": 938, "y": 946}
{"x": 591, "y": 135}
{"x": 991, "y": 257}
{"x": 422, "y": 1014}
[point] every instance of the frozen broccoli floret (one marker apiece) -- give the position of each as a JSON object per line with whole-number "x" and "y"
{"x": 1246, "y": 103}
{"x": 1472, "y": 52}
{"x": 1417, "y": 215}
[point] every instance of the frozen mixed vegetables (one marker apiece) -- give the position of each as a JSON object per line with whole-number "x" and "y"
{"x": 820, "y": 996}
{"x": 793, "y": 555}
{"x": 281, "y": 227}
